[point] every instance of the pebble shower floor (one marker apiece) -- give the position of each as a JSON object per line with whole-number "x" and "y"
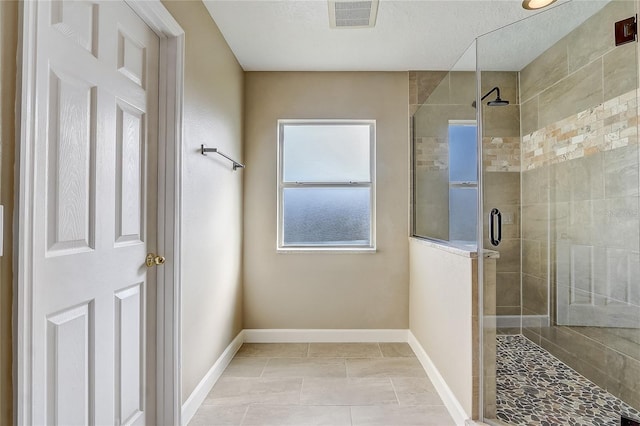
{"x": 535, "y": 388}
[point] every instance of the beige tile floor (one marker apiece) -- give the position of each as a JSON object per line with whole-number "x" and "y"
{"x": 332, "y": 384}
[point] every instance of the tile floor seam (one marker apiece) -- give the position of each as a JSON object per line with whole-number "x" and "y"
{"x": 264, "y": 367}
{"x": 244, "y": 416}
{"x": 395, "y": 392}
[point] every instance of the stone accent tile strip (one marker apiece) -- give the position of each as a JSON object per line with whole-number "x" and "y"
{"x": 501, "y": 154}
{"x": 610, "y": 125}
{"x": 431, "y": 154}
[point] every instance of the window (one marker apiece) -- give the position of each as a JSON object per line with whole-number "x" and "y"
{"x": 326, "y": 190}
{"x": 463, "y": 181}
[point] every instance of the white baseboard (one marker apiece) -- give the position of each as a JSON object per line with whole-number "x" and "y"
{"x": 449, "y": 399}
{"x": 201, "y": 391}
{"x": 320, "y": 335}
{"x": 514, "y": 321}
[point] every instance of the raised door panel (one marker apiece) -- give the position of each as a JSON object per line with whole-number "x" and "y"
{"x": 129, "y": 174}
{"x": 78, "y": 21}
{"x": 69, "y": 393}
{"x": 130, "y": 354}
{"x": 622, "y": 270}
{"x": 131, "y": 58}
{"x": 581, "y": 276}
{"x": 70, "y": 165}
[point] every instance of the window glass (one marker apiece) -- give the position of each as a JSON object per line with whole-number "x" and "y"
{"x": 326, "y": 153}
{"x": 463, "y": 154}
{"x": 463, "y": 209}
{"x": 326, "y": 188}
{"x": 463, "y": 178}
{"x": 327, "y": 216}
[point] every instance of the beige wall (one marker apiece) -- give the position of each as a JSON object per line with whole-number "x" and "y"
{"x": 326, "y": 290}
{"x": 8, "y": 46}
{"x": 442, "y": 310}
{"x": 212, "y": 209}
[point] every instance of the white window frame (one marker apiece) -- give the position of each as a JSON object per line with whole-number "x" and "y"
{"x": 371, "y": 184}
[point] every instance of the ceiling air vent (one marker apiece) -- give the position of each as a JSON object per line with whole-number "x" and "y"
{"x": 352, "y": 14}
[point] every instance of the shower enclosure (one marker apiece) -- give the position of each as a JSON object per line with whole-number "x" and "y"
{"x": 558, "y": 187}
{"x": 561, "y": 165}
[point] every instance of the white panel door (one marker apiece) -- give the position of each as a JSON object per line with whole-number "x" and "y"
{"x": 94, "y": 215}
{"x": 597, "y": 286}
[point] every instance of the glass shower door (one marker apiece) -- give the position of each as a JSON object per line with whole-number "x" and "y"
{"x": 561, "y": 164}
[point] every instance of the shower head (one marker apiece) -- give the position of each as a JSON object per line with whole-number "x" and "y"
{"x": 496, "y": 102}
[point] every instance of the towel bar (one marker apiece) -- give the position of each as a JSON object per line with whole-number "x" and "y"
{"x": 204, "y": 150}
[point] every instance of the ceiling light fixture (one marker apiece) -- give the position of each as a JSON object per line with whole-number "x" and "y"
{"x": 536, "y": 4}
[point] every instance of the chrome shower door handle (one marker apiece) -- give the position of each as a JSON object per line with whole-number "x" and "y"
{"x": 494, "y": 217}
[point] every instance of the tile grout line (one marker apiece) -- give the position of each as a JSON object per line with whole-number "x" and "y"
{"x": 244, "y": 416}
{"x": 351, "y": 414}
{"x": 346, "y": 372}
{"x": 264, "y": 367}
{"x": 394, "y": 390}
{"x": 346, "y": 368}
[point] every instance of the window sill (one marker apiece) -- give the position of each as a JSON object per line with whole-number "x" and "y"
{"x": 346, "y": 250}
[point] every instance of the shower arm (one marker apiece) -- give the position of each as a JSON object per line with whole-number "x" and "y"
{"x": 495, "y": 89}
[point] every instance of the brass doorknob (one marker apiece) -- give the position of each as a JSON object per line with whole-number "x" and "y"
{"x": 153, "y": 260}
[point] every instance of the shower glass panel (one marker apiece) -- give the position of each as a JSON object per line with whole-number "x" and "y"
{"x": 444, "y": 201}
{"x": 560, "y": 163}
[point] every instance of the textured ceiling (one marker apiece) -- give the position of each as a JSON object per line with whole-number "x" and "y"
{"x": 294, "y": 35}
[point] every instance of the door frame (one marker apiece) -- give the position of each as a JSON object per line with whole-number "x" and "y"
{"x": 170, "y": 105}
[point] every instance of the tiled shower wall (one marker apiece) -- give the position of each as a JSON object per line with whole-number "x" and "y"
{"x": 501, "y": 167}
{"x": 580, "y": 222}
